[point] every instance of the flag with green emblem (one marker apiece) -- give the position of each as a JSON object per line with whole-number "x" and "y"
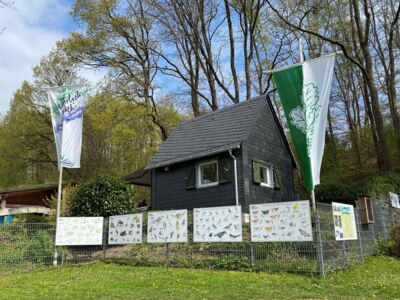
{"x": 304, "y": 91}
{"x": 66, "y": 107}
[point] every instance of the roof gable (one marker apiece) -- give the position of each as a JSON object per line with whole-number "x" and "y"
{"x": 212, "y": 133}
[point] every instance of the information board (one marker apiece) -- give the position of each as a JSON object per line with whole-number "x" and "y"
{"x": 125, "y": 229}
{"x": 281, "y": 222}
{"x": 79, "y": 231}
{"x": 217, "y": 224}
{"x": 167, "y": 226}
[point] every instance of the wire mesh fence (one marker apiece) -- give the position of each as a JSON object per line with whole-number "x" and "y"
{"x": 24, "y": 246}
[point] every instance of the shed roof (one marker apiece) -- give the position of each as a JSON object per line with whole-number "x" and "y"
{"x": 215, "y": 132}
{"x": 28, "y": 195}
{"x": 139, "y": 177}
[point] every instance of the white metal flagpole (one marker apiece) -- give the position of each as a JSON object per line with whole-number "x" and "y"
{"x": 319, "y": 250}
{"x": 58, "y": 213}
{"x": 301, "y": 49}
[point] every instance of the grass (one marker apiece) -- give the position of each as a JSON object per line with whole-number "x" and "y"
{"x": 378, "y": 278}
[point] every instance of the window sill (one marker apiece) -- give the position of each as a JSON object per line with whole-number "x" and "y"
{"x": 266, "y": 185}
{"x": 207, "y": 185}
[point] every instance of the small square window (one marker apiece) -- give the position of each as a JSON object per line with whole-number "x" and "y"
{"x": 207, "y": 173}
{"x": 266, "y": 176}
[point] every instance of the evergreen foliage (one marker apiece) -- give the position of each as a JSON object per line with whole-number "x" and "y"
{"x": 102, "y": 196}
{"x": 337, "y": 192}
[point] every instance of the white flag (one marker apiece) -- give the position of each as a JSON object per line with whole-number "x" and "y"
{"x": 304, "y": 91}
{"x": 66, "y": 106}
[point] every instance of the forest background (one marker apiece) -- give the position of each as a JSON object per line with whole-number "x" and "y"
{"x": 167, "y": 61}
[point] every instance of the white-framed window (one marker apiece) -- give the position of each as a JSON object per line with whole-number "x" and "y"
{"x": 264, "y": 174}
{"x": 267, "y": 176}
{"x": 207, "y": 173}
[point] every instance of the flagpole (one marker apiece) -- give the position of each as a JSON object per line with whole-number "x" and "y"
{"x": 58, "y": 213}
{"x": 301, "y": 49}
{"x": 319, "y": 250}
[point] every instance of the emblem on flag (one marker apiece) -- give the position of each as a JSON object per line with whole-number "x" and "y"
{"x": 66, "y": 106}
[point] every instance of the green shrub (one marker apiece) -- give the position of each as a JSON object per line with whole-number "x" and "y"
{"x": 13, "y": 245}
{"x": 225, "y": 262}
{"x": 40, "y": 248}
{"x": 381, "y": 246}
{"x": 20, "y": 247}
{"x": 394, "y": 242}
{"x": 102, "y": 196}
{"x": 337, "y": 192}
{"x": 33, "y": 218}
{"x": 384, "y": 184}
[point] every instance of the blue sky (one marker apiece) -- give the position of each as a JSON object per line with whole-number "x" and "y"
{"x": 31, "y": 31}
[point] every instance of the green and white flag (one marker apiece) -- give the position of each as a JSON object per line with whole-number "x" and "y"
{"x": 66, "y": 106}
{"x": 304, "y": 91}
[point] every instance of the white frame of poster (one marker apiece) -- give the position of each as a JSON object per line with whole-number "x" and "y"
{"x": 265, "y": 207}
{"x": 354, "y": 224}
{"x": 71, "y": 231}
{"x": 394, "y": 200}
{"x": 220, "y": 226}
{"x": 169, "y": 216}
{"x": 130, "y": 239}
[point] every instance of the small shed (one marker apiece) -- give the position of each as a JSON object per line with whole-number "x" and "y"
{"x": 23, "y": 200}
{"x": 236, "y": 155}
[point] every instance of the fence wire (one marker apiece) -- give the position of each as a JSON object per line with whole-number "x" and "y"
{"x": 24, "y": 246}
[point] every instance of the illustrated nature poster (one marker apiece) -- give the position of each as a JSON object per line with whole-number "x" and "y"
{"x": 281, "y": 222}
{"x": 167, "y": 226}
{"x": 125, "y": 229}
{"x": 78, "y": 231}
{"x": 217, "y": 224}
{"x": 394, "y": 200}
{"x": 344, "y": 222}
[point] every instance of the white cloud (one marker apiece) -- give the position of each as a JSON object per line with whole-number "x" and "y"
{"x": 32, "y": 30}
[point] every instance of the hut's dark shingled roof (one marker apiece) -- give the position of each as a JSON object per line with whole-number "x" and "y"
{"x": 212, "y": 133}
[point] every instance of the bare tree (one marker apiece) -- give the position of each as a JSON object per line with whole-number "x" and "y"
{"x": 4, "y": 4}
{"x": 120, "y": 40}
{"x": 248, "y": 12}
{"x": 360, "y": 18}
{"x": 385, "y": 19}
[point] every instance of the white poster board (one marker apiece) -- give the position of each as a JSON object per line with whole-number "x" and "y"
{"x": 281, "y": 222}
{"x": 394, "y": 200}
{"x": 217, "y": 224}
{"x": 125, "y": 229}
{"x": 79, "y": 231}
{"x": 344, "y": 222}
{"x": 167, "y": 226}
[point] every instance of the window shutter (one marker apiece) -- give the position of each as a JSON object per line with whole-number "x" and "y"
{"x": 190, "y": 177}
{"x": 224, "y": 170}
{"x": 256, "y": 172}
{"x": 277, "y": 178}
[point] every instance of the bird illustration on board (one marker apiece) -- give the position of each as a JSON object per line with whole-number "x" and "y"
{"x": 220, "y": 234}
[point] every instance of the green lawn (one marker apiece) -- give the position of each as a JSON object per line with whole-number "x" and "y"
{"x": 378, "y": 277}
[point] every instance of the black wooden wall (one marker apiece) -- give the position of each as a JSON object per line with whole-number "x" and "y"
{"x": 264, "y": 142}
{"x": 169, "y": 187}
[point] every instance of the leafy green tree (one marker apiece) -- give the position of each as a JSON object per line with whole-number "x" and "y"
{"x": 26, "y": 142}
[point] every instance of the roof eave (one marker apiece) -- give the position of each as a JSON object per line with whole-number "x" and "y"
{"x": 193, "y": 156}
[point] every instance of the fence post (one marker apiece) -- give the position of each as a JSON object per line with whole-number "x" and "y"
{"x": 343, "y": 254}
{"x": 356, "y": 211}
{"x": 167, "y": 252}
{"x": 105, "y": 237}
{"x": 62, "y": 255}
{"x": 320, "y": 253}
{"x": 385, "y": 233}
{"x": 251, "y": 254}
